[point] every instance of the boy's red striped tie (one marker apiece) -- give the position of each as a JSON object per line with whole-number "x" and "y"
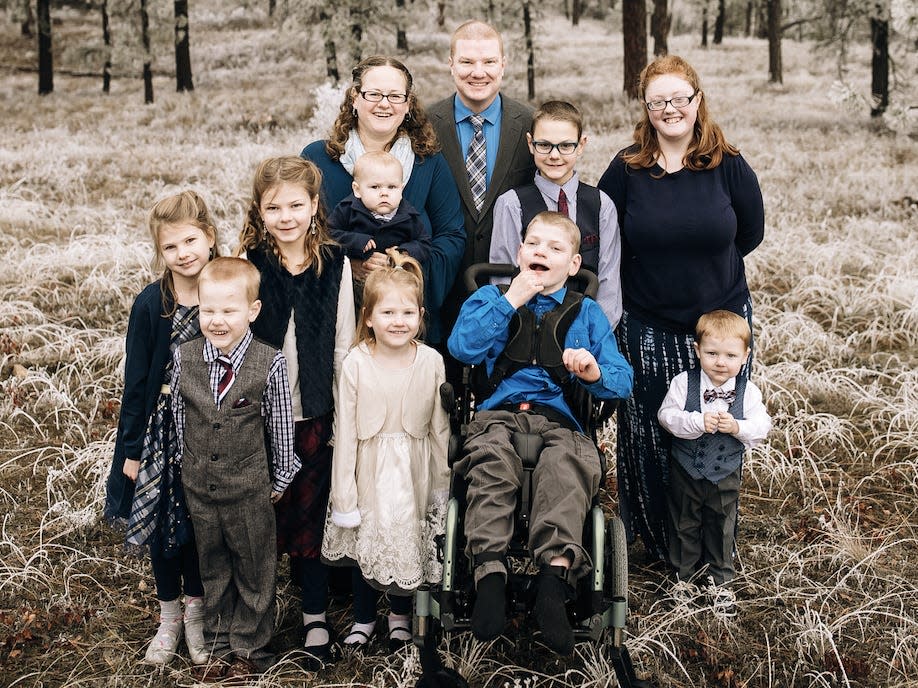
{"x": 227, "y": 380}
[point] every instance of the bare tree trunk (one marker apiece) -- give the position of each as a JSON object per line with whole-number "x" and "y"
{"x": 576, "y": 11}
{"x": 704, "y": 25}
{"x": 441, "y": 15}
{"x": 25, "y": 27}
{"x": 719, "y": 22}
{"x": 358, "y": 14}
{"x": 272, "y": 5}
{"x": 530, "y": 53}
{"x": 761, "y": 30}
{"x": 183, "y": 80}
{"x": 331, "y": 53}
{"x": 401, "y": 38}
{"x": 659, "y": 27}
{"x": 634, "y": 33}
{"x": 775, "y": 71}
{"x": 749, "y": 8}
{"x": 45, "y": 56}
{"x": 107, "y": 40}
{"x": 145, "y": 38}
{"x": 879, "y": 61}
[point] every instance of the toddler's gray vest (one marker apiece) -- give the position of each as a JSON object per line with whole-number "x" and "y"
{"x": 712, "y": 456}
{"x": 225, "y": 456}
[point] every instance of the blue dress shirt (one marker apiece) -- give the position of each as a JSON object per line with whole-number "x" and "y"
{"x": 491, "y": 129}
{"x": 482, "y": 330}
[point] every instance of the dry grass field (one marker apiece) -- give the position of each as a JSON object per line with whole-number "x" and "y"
{"x": 828, "y": 590}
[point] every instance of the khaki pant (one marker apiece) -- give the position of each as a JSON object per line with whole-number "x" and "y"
{"x": 563, "y": 482}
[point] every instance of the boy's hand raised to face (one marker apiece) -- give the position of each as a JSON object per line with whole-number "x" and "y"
{"x": 523, "y": 287}
{"x": 581, "y": 363}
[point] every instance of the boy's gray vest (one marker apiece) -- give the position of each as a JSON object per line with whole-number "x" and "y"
{"x": 712, "y": 456}
{"x": 588, "y": 205}
{"x": 225, "y": 455}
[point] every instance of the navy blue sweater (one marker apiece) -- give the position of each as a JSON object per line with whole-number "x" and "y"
{"x": 146, "y": 354}
{"x": 684, "y": 236}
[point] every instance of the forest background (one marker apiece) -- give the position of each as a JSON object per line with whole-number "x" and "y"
{"x": 829, "y": 539}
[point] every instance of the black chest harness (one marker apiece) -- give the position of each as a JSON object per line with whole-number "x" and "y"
{"x": 532, "y": 343}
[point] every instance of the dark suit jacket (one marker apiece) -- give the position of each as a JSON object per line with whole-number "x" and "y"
{"x": 513, "y": 167}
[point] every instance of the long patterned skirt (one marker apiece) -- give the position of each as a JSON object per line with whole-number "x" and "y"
{"x": 657, "y": 356}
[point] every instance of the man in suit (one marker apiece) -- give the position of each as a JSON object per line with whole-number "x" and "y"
{"x": 499, "y": 152}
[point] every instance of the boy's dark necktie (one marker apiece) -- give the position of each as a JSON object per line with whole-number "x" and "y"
{"x": 226, "y": 381}
{"x": 562, "y": 202}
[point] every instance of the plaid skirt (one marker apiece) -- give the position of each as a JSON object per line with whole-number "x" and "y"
{"x": 301, "y": 511}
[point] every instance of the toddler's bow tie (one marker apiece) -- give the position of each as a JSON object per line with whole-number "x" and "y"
{"x": 712, "y": 394}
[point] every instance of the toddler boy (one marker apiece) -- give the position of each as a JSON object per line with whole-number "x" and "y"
{"x": 556, "y": 142}
{"x": 375, "y": 217}
{"x": 518, "y": 335}
{"x": 234, "y": 424}
{"x": 714, "y": 417}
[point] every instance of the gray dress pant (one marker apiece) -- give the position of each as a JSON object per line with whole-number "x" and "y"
{"x": 702, "y": 523}
{"x": 564, "y": 482}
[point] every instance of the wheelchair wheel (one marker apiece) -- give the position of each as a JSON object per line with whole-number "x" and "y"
{"x": 617, "y": 559}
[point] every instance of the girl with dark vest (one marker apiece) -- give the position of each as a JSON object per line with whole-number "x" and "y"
{"x": 145, "y": 488}
{"x": 307, "y": 312}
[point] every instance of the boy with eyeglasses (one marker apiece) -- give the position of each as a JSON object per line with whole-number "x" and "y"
{"x": 556, "y": 142}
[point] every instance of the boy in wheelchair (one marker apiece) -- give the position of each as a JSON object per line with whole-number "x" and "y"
{"x": 538, "y": 342}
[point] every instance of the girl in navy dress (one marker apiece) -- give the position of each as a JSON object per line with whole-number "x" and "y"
{"x": 145, "y": 486}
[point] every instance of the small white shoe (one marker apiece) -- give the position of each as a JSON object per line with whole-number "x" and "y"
{"x": 683, "y": 594}
{"x": 194, "y": 630}
{"x": 162, "y": 648}
{"x": 722, "y": 599}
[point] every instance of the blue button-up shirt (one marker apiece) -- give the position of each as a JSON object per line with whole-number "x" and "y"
{"x": 482, "y": 330}
{"x": 490, "y": 128}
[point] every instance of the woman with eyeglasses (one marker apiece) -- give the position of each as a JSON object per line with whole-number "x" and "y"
{"x": 690, "y": 209}
{"x": 381, "y": 112}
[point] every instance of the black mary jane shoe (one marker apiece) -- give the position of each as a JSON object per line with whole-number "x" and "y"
{"x": 359, "y": 647}
{"x": 397, "y": 644}
{"x": 317, "y": 656}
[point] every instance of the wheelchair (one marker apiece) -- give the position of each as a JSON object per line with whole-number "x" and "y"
{"x": 598, "y": 613}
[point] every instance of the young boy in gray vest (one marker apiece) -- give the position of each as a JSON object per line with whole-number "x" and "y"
{"x": 234, "y": 427}
{"x": 714, "y": 415}
{"x": 535, "y": 339}
{"x": 556, "y": 141}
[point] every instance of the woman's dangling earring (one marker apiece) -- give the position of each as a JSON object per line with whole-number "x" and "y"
{"x": 212, "y": 253}
{"x": 312, "y": 226}
{"x": 354, "y": 111}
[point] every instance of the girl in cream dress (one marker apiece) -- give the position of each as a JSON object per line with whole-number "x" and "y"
{"x": 389, "y": 473}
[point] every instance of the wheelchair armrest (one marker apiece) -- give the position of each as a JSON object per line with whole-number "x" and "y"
{"x": 528, "y": 447}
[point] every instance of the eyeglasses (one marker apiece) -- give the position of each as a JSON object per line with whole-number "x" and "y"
{"x": 546, "y": 147}
{"x": 677, "y": 101}
{"x": 377, "y": 96}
